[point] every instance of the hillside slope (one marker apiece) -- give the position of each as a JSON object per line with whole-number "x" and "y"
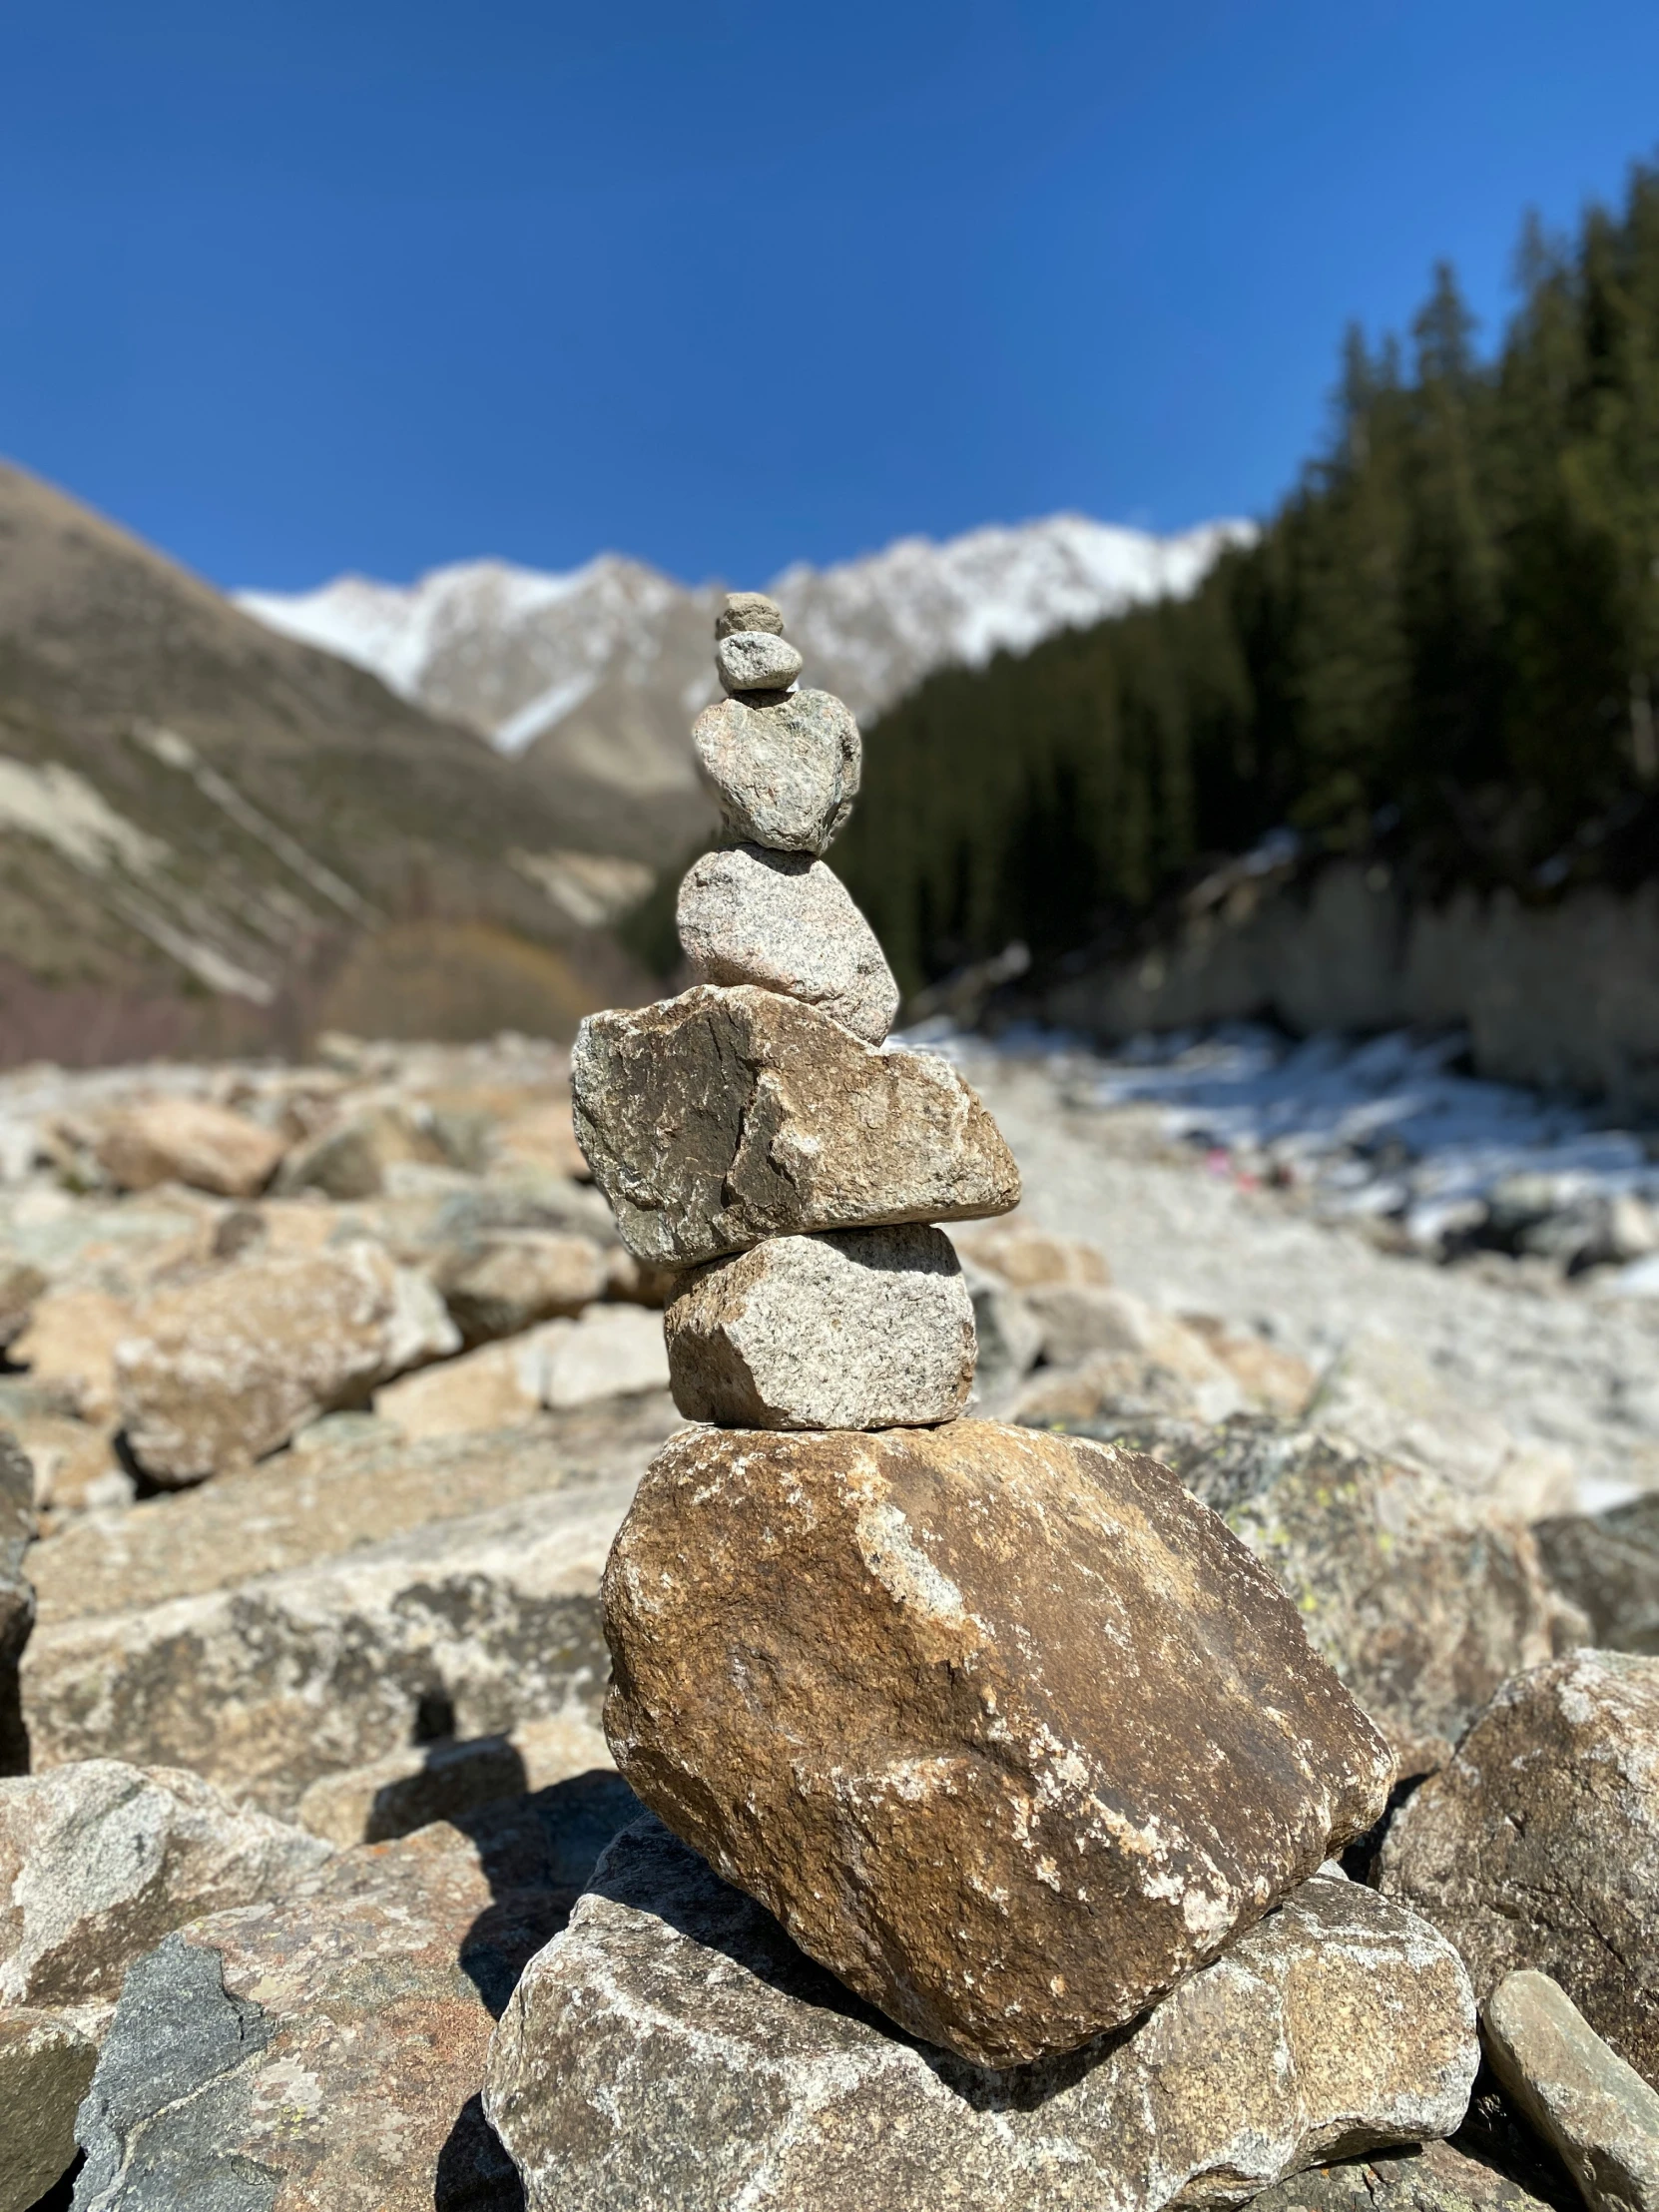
{"x": 194, "y": 811}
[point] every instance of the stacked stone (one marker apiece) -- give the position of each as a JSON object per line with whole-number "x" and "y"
{"x": 818, "y": 1294}
{"x": 1006, "y": 1729}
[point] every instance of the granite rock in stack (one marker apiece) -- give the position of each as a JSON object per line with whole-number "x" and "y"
{"x": 1006, "y": 1729}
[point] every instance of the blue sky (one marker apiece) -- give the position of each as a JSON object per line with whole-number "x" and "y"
{"x": 294, "y": 289}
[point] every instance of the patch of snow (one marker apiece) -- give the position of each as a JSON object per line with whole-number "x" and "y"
{"x": 61, "y": 808}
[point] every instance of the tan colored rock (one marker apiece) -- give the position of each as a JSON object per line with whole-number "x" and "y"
{"x": 187, "y": 1140}
{"x": 755, "y": 661}
{"x": 228, "y": 1367}
{"x": 97, "y": 1861}
{"x": 1539, "y": 1846}
{"x": 1006, "y": 1728}
{"x": 1438, "y": 2177}
{"x": 46, "y": 2068}
{"x": 542, "y": 1136}
{"x": 786, "y": 922}
{"x": 1025, "y": 1256}
{"x": 786, "y": 772}
{"x": 71, "y": 1341}
{"x": 1596, "y": 2112}
{"x": 721, "y": 1117}
{"x": 519, "y": 1278}
{"x": 497, "y": 1387}
{"x": 20, "y": 1285}
{"x": 611, "y": 1351}
{"x": 69, "y": 1457}
{"x": 865, "y": 1329}
{"x": 1111, "y": 1354}
{"x": 673, "y": 2048}
{"x": 749, "y": 610}
{"x": 1273, "y": 1381}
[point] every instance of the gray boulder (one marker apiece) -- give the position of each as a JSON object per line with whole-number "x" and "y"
{"x": 867, "y": 1328}
{"x": 673, "y": 2048}
{"x": 1422, "y": 1600}
{"x": 98, "y": 1861}
{"x": 755, "y": 661}
{"x": 786, "y": 773}
{"x": 1539, "y": 1846}
{"x": 1593, "y": 2110}
{"x": 721, "y": 1117}
{"x": 326, "y": 2048}
{"x": 1607, "y": 1564}
{"x": 786, "y": 922}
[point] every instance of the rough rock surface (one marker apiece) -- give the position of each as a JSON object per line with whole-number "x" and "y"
{"x": 755, "y": 661}
{"x": 323, "y": 2053}
{"x": 1607, "y": 1564}
{"x": 1440, "y": 2177}
{"x": 1024, "y": 1255}
{"x": 865, "y": 1329}
{"x": 1539, "y": 1846}
{"x": 786, "y": 922}
{"x": 1422, "y": 1601}
{"x": 673, "y": 2046}
{"x": 1597, "y": 2113}
{"x": 721, "y": 1117}
{"x": 188, "y": 1139}
{"x": 610, "y": 1352}
{"x": 45, "y": 2067}
{"x": 99, "y": 1861}
{"x": 228, "y": 1367}
{"x": 866, "y": 1676}
{"x": 422, "y": 1783}
{"x": 461, "y": 1627}
{"x": 519, "y": 1279}
{"x": 786, "y": 774}
{"x": 17, "y": 1599}
{"x": 749, "y": 610}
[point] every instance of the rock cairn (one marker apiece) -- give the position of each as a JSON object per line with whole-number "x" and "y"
{"x": 1005, "y": 1728}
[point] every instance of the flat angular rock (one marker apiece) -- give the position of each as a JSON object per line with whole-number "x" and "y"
{"x": 1025, "y": 1256}
{"x": 755, "y": 661}
{"x": 187, "y": 1140}
{"x": 1006, "y": 1728}
{"x": 1438, "y": 2177}
{"x": 786, "y": 772}
{"x": 674, "y": 2047}
{"x": 518, "y": 1279}
{"x": 17, "y": 1597}
{"x": 1597, "y": 2113}
{"x": 99, "y": 1861}
{"x": 228, "y": 1367}
{"x": 860, "y": 1328}
{"x": 1421, "y": 1600}
{"x": 323, "y": 2053}
{"x": 464, "y": 1627}
{"x": 784, "y": 922}
{"x": 749, "y": 610}
{"x": 1539, "y": 1846}
{"x": 46, "y": 2066}
{"x": 721, "y": 1117}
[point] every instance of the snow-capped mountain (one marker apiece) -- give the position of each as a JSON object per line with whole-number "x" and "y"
{"x": 595, "y": 675}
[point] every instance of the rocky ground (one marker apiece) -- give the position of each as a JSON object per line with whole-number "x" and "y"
{"x": 329, "y": 1387}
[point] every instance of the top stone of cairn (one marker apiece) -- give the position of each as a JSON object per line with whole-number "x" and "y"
{"x": 749, "y": 610}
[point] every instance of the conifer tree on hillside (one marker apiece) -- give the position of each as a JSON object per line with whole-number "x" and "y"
{"x": 1447, "y": 638}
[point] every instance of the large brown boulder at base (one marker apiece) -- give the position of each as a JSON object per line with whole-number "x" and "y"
{"x": 674, "y": 2048}
{"x": 721, "y": 1117}
{"x": 1538, "y": 1846}
{"x": 1005, "y": 1727}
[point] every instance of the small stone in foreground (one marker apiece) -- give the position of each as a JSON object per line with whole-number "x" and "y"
{"x": 786, "y": 922}
{"x": 1005, "y": 1727}
{"x": 1539, "y": 1846}
{"x": 721, "y": 1117}
{"x": 674, "y": 2047}
{"x": 45, "y": 2067}
{"x": 786, "y": 773}
{"x": 862, "y": 1329}
{"x": 755, "y": 661}
{"x": 1582, "y": 2098}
